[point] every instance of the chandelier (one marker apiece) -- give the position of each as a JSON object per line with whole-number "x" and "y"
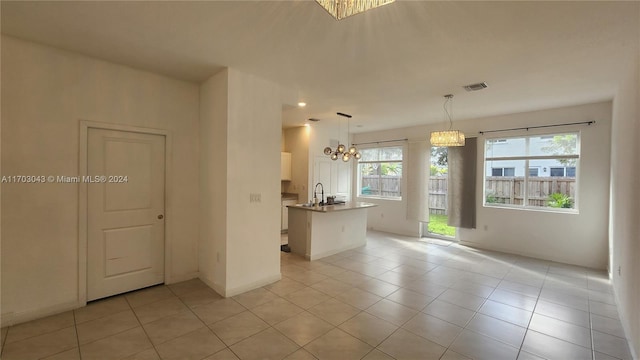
{"x": 341, "y": 9}
{"x": 347, "y": 153}
{"x": 448, "y": 137}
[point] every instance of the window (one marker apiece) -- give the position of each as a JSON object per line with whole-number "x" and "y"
{"x": 509, "y": 171}
{"x": 568, "y": 171}
{"x": 380, "y": 172}
{"x": 533, "y": 172}
{"x": 556, "y": 171}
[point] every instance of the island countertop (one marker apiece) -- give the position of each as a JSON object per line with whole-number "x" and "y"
{"x": 350, "y": 205}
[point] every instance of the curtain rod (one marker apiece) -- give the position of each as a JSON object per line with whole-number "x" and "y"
{"x": 538, "y": 127}
{"x": 380, "y": 142}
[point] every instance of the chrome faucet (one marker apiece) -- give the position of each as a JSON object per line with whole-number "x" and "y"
{"x": 315, "y": 193}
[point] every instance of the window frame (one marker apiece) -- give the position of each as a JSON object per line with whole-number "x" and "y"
{"x": 359, "y": 193}
{"x": 502, "y": 170}
{"x": 527, "y": 158}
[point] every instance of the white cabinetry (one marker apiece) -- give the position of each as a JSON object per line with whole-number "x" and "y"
{"x": 284, "y": 223}
{"x": 335, "y": 176}
{"x": 285, "y": 166}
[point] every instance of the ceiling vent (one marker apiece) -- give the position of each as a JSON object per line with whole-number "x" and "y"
{"x": 314, "y": 119}
{"x": 476, "y": 87}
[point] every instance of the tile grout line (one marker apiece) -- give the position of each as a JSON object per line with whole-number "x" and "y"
{"x": 228, "y": 347}
{"x": 360, "y": 310}
{"x": 474, "y": 315}
{"x": 4, "y": 341}
{"x": 75, "y": 327}
{"x": 533, "y": 311}
{"x": 475, "y": 271}
{"x": 142, "y": 326}
{"x": 593, "y": 344}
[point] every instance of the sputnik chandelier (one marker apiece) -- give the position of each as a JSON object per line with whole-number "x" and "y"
{"x": 347, "y": 153}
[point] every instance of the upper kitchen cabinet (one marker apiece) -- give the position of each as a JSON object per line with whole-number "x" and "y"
{"x": 285, "y": 166}
{"x": 335, "y": 176}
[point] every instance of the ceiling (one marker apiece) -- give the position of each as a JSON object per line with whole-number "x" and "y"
{"x": 388, "y": 67}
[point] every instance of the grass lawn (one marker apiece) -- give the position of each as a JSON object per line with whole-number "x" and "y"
{"x": 438, "y": 225}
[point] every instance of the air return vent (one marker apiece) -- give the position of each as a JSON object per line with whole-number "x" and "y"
{"x": 476, "y": 87}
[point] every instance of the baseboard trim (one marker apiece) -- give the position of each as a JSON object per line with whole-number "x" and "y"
{"x": 182, "y": 277}
{"x": 523, "y": 253}
{"x": 333, "y": 252}
{"x": 415, "y": 234}
{"x": 625, "y": 326}
{"x": 14, "y": 318}
{"x": 229, "y": 292}
{"x": 219, "y": 288}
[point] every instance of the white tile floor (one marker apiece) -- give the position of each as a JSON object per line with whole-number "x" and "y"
{"x": 396, "y": 298}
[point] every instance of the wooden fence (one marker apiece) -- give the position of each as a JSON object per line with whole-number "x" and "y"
{"x": 505, "y": 190}
{"x": 510, "y": 190}
{"x": 499, "y": 189}
{"x": 382, "y": 185}
{"x": 438, "y": 195}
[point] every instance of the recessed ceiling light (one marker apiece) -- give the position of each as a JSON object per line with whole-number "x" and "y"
{"x": 302, "y": 104}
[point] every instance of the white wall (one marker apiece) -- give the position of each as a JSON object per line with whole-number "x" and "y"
{"x": 624, "y": 234}
{"x": 571, "y": 238}
{"x": 1, "y": 173}
{"x": 212, "y": 247}
{"x": 45, "y": 94}
{"x": 391, "y": 215}
{"x": 296, "y": 141}
{"x": 253, "y": 145}
{"x": 240, "y": 117}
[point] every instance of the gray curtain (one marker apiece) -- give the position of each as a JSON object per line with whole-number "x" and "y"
{"x": 462, "y": 185}
{"x": 417, "y": 181}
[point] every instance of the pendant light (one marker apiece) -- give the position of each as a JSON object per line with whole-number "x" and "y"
{"x": 346, "y": 152}
{"x": 341, "y": 9}
{"x": 448, "y": 137}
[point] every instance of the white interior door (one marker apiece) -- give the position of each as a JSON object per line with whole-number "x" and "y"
{"x": 125, "y": 245}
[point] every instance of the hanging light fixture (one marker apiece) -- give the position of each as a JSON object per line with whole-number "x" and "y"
{"x": 347, "y": 153}
{"x": 448, "y": 137}
{"x": 341, "y": 9}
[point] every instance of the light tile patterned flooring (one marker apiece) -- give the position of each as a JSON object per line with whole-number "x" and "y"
{"x": 395, "y": 298}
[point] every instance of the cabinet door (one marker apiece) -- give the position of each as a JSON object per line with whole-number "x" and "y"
{"x": 285, "y": 166}
{"x": 284, "y": 223}
{"x": 335, "y": 176}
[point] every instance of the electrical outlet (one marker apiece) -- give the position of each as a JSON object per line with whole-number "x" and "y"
{"x": 342, "y": 228}
{"x": 218, "y": 256}
{"x": 619, "y": 270}
{"x": 486, "y": 227}
{"x": 255, "y": 198}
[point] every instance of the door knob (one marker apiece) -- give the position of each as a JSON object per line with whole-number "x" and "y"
{"x": 160, "y": 216}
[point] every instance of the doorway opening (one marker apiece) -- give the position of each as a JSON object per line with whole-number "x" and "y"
{"x": 438, "y": 178}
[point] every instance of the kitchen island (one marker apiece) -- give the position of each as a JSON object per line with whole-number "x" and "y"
{"x": 318, "y": 231}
